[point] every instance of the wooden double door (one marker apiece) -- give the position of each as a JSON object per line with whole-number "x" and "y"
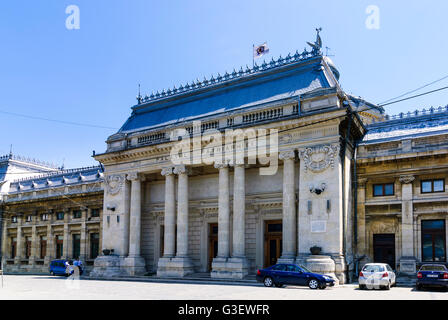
{"x": 272, "y": 241}
{"x": 212, "y": 243}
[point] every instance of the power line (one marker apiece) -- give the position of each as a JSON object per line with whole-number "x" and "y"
{"x": 55, "y": 120}
{"x": 412, "y": 91}
{"x": 416, "y": 96}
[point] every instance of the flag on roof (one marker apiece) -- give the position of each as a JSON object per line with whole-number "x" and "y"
{"x": 261, "y": 50}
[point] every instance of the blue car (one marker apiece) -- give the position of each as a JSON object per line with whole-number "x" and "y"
{"x": 281, "y": 274}
{"x": 58, "y": 268}
{"x": 432, "y": 275}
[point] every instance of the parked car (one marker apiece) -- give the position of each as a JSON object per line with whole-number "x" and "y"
{"x": 283, "y": 274}
{"x": 432, "y": 275}
{"x": 59, "y": 268}
{"x": 377, "y": 276}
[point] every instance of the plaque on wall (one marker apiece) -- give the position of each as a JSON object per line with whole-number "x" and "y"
{"x": 318, "y": 226}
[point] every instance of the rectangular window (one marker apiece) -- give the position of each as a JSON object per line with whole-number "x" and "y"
{"x": 433, "y": 241}
{"x": 43, "y": 247}
{"x": 59, "y": 246}
{"x": 94, "y": 245}
{"x": 76, "y": 245}
{"x": 29, "y": 218}
{"x": 27, "y": 247}
{"x": 44, "y": 217}
{"x": 430, "y": 186}
{"x": 60, "y": 216}
{"x": 14, "y": 219}
{"x": 385, "y": 189}
{"x": 95, "y": 213}
{"x": 13, "y": 247}
{"x": 77, "y": 214}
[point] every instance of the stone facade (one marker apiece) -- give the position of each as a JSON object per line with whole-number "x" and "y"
{"x": 52, "y": 216}
{"x": 261, "y": 166}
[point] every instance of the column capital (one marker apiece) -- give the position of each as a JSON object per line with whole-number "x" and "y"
{"x": 362, "y": 182}
{"x": 287, "y": 155}
{"x": 406, "y": 179}
{"x": 133, "y": 176}
{"x": 182, "y": 169}
{"x": 219, "y": 165}
{"x": 167, "y": 171}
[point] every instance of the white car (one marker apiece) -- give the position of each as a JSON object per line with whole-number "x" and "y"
{"x": 376, "y": 276}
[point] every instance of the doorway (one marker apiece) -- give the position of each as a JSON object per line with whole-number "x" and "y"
{"x": 212, "y": 243}
{"x": 272, "y": 242}
{"x": 384, "y": 249}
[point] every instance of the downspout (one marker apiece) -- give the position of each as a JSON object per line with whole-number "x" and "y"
{"x": 344, "y": 205}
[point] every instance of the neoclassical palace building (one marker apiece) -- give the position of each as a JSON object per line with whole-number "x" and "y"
{"x": 49, "y": 214}
{"x": 274, "y": 163}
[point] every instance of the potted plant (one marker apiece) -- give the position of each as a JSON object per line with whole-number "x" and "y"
{"x": 315, "y": 250}
{"x": 106, "y": 252}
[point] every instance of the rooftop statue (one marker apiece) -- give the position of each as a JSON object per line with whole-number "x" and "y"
{"x": 317, "y": 46}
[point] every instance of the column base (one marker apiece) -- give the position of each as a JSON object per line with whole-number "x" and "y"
{"x": 107, "y": 266}
{"x": 408, "y": 266}
{"x": 230, "y": 268}
{"x": 288, "y": 259}
{"x": 324, "y": 265}
{"x": 174, "y": 267}
{"x": 134, "y": 266}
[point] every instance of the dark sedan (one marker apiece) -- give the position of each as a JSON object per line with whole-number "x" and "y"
{"x": 432, "y": 275}
{"x": 282, "y": 274}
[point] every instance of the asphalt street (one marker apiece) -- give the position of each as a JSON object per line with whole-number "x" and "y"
{"x": 25, "y": 287}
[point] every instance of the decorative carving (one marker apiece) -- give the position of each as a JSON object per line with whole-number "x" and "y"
{"x": 167, "y": 171}
{"x": 135, "y": 176}
{"x": 406, "y": 179}
{"x": 318, "y": 159}
{"x": 114, "y": 183}
{"x": 287, "y": 155}
{"x": 362, "y": 182}
{"x": 181, "y": 169}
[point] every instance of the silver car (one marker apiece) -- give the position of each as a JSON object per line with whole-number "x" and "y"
{"x": 376, "y": 276}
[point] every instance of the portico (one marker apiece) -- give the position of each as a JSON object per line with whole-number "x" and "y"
{"x": 205, "y": 194}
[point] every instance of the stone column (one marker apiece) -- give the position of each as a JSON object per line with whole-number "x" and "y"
{"x": 361, "y": 208}
{"x": 181, "y": 264}
{"x": 170, "y": 214}
{"x": 239, "y": 212}
{"x": 407, "y": 260}
{"x": 289, "y": 208}
{"x": 50, "y": 251}
{"x": 223, "y": 212}
{"x": 182, "y": 212}
{"x": 219, "y": 264}
{"x": 5, "y": 241}
{"x": 84, "y": 236}
{"x": 19, "y": 249}
{"x": 134, "y": 264}
{"x": 34, "y": 244}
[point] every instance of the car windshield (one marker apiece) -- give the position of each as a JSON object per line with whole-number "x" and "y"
{"x": 433, "y": 268}
{"x": 305, "y": 269}
{"x": 373, "y": 268}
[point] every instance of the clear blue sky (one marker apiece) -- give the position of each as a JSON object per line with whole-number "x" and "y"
{"x": 91, "y": 75}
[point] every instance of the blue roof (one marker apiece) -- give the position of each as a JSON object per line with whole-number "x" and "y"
{"x": 410, "y": 125}
{"x": 259, "y": 86}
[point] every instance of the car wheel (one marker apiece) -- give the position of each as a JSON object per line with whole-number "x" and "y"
{"x": 268, "y": 282}
{"x": 362, "y": 287}
{"x": 418, "y": 287}
{"x": 313, "y": 284}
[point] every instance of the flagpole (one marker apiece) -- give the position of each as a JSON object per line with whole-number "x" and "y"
{"x": 253, "y": 59}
